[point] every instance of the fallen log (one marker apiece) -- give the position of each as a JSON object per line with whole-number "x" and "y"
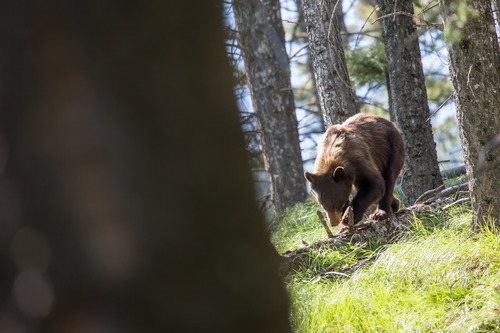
{"x": 441, "y": 192}
{"x": 384, "y": 231}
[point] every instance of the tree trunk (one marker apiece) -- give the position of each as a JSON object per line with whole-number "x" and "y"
{"x": 475, "y": 74}
{"x": 302, "y": 24}
{"x": 342, "y": 27}
{"x": 125, "y": 192}
{"x": 408, "y": 98}
{"x": 496, "y": 3}
{"x": 262, "y": 41}
{"x": 330, "y": 69}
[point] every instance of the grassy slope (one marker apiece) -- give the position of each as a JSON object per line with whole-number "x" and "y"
{"x": 441, "y": 278}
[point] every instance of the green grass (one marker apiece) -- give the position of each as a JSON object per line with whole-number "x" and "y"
{"x": 298, "y": 224}
{"x": 439, "y": 278}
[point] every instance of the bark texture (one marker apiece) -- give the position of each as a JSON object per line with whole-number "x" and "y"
{"x": 262, "y": 41}
{"x": 496, "y": 4}
{"x": 314, "y": 92}
{"x": 335, "y": 91}
{"x": 342, "y": 27}
{"x": 475, "y": 74}
{"x": 125, "y": 192}
{"x": 408, "y": 98}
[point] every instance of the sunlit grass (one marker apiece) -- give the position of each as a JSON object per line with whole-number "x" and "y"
{"x": 299, "y": 224}
{"x": 439, "y": 277}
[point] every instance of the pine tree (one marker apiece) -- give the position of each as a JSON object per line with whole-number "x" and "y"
{"x": 261, "y": 38}
{"x": 475, "y": 73}
{"x": 408, "y": 99}
{"x": 325, "y": 48}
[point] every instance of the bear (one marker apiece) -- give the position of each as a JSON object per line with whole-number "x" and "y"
{"x": 365, "y": 152}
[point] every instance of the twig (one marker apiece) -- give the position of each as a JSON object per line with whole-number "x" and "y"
{"x": 440, "y": 107}
{"x": 427, "y": 8}
{"x": 456, "y": 202}
{"x": 427, "y": 194}
{"x": 345, "y": 257}
{"x": 434, "y": 25}
{"x": 333, "y": 17}
{"x": 323, "y": 222}
{"x": 337, "y": 273}
{"x": 357, "y": 38}
{"x": 300, "y": 50}
{"x": 468, "y": 81}
{"x": 403, "y": 194}
{"x": 449, "y": 191}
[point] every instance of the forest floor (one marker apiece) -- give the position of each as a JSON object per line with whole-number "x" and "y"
{"x": 422, "y": 270}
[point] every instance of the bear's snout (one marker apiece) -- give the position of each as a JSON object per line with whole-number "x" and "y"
{"x": 333, "y": 217}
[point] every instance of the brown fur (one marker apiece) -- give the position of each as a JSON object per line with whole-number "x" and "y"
{"x": 366, "y": 152}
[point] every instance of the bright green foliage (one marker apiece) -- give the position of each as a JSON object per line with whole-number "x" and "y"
{"x": 367, "y": 65}
{"x": 440, "y": 277}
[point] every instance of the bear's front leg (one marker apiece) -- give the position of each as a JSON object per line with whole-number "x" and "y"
{"x": 379, "y": 214}
{"x": 370, "y": 190}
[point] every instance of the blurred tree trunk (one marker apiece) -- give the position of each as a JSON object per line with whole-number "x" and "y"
{"x": 475, "y": 74}
{"x": 330, "y": 69}
{"x": 262, "y": 41}
{"x": 408, "y": 98}
{"x": 125, "y": 193}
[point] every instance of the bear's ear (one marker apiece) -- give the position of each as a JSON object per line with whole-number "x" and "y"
{"x": 311, "y": 177}
{"x": 338, "y": 174}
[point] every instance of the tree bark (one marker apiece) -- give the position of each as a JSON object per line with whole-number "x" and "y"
{"x": 125, "y": 192}
{"x": 325, "y": 49}
{"x": 302, "y": 25}
{"x": 262, "y": 41}
{"x": 496, "y": 3}
{"x": 475, "y": 74}
{"x": 408, "y": 98}
{"x": 342, "y": 27}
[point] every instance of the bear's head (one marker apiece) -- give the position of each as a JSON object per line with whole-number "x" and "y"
{"x": 332, "y": 191}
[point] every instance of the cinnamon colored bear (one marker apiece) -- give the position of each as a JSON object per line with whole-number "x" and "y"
{"x": 366, "y": 152}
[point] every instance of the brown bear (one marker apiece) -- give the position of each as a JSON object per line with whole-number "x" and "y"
{"x": 366, "y": 151}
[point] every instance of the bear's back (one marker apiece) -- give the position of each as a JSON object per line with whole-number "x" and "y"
{"x": 363, "y": 140}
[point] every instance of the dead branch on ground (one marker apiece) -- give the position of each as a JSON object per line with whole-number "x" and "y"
{"x": 325, "y": 225}
{"x": 350, "y": 254}
{"x": 384, "y": 231}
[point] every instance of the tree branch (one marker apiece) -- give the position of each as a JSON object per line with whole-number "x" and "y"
{"x": 416, "y": 20}
{"x": 323, "y": 222}
{"x": 440, "y": 107}
{"x": 346, "y": 256}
